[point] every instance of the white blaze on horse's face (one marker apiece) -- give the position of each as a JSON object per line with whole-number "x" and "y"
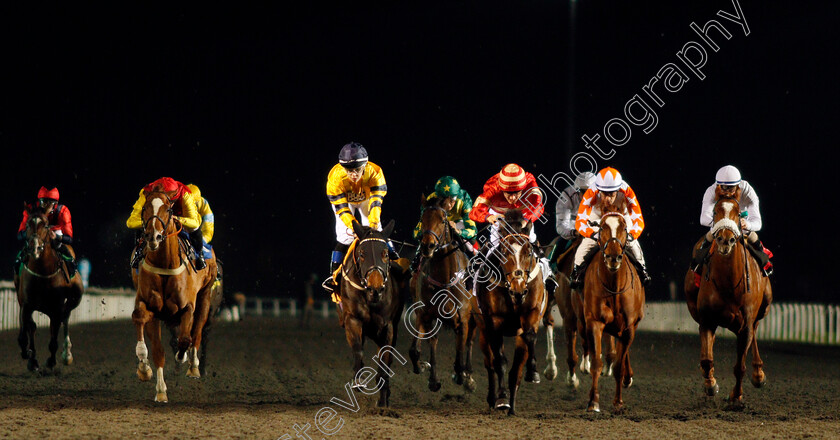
{"x": 612, "y": 225}
{"x": 518, "y": 276}
{"x": 156, "y": 236}
{"x": 37, "y": 245}
{"x": 726, "y": 235}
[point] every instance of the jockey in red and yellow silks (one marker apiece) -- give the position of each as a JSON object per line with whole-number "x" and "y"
{"x": 61, "y": 225}
{"x": 185, "y": 212}
{"x": 608, "y": 184}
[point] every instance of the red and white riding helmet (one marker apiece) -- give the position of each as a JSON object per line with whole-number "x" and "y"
{"x": 512, "y": 178}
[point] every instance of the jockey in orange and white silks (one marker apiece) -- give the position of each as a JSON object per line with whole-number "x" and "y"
{"x": 728, "y": 179}
{"x": 609, "y": 185}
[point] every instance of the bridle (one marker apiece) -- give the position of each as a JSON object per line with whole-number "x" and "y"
{"x": 375, "y": 266}
{"x": 446, "y": 238}
{"x": 623, "y": 247}
{"x": 170, "y": 219}
{"x": 533, "y": 269}
{"x": 43, "y": 244}
{"x": 726, "y": 223}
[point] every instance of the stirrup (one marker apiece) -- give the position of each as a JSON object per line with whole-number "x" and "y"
{"x": 767, "y": 270}
{"x": 329, "y": 285}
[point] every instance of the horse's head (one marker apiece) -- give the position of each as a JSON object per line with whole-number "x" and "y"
{"x": 38, "y": 235}
{"x": 518, "y": 258}
{"x": 613, "y": 233}
{"x": 434, "y": 226}
{"x": 727, "y": 228}
{"x": 158, "y": 217}
{"x": 372, "y": 261}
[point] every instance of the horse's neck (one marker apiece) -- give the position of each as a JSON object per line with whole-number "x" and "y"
{"x": 614, "y": 280}
{"x": 730, "y": 268}
{"x": 444, "y": 268}
{"x": 168, "y": 255}
{"x": 47, "y": 262}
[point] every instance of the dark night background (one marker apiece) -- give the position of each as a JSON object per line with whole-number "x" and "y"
{"x": 254, "y": 105}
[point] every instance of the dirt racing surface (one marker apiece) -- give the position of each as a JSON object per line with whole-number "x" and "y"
{"x": 264, "y": 376}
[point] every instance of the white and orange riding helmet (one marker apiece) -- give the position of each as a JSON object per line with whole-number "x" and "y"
{"x": 608, "y": 180}
{"x": 512, "y": 178}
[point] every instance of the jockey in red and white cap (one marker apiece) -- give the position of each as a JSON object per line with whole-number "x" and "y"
{"x": 60, "y": 224}
{"x": 511, "y": 188}
{"x": 609, "y": 185}
{"x": 728, "y": 179}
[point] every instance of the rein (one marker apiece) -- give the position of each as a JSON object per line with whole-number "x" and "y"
{"x": 358, "y": 272}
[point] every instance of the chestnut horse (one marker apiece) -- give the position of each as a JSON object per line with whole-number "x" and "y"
{"x": 169, "y": 290}
{"x": 733, "y": 294}
{"x": 613, "y": 303}
{"x": 439, "y": 285}
{"x": 42, "y": 285}
{"x": 372, "y": 306}
{"x": 512, "y": 300}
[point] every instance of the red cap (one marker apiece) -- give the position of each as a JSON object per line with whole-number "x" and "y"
{"x": 45, "y": 193}
{"x": 512, "y": 178}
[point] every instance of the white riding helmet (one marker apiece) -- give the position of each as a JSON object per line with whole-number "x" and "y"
{"x": 584, "y": 180}
{"x": 728, "y": 175}
{"x": 608, "y": 180}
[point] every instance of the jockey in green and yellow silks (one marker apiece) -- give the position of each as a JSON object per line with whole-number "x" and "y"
{"x": 457, "y": 203}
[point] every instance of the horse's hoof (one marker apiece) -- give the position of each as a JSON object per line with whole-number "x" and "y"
{"x": 25, "y": 354}
{"x": 434, "y": 386}
{"x": 628, "y": 382}
{"x": 619, "y": 407}
{"x": 469, "y": 384}
{"x": 511, "y": 412}
{"x": 502, "y": 404}
{"x": 181, "y": 358}
{"x": 712, "y": 390}
{"x": 32, "y": 365}
{"x": 161, "y": 398}
{"x": 144, "y": 373}
{"x": 458, "y": 379}
{"x": 193, "y": 372}
{"x": 550, "y": 373}
{"x": 51, "y": 363}
{"x": 594, "y": 407}
{"x": 424, "y": 366}
{"x": 532, "y": 376}
{"x": 572, "y": 381}
{"x": 758, "y": 382}
{"x": 67, "y": 360}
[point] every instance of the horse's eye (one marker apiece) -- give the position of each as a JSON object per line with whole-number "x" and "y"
{"x": 385, "y": 256}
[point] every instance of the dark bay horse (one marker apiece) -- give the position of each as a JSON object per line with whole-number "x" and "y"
{"x": 439, "y": 285}
{"x": 512, "y": 300}
{"x": 733, "y": 294}
{"x": 372, "y": 306}
{"x": 613, "y": 303}
{"x": 43, "y": 285}
{"x": 169, "y": 290}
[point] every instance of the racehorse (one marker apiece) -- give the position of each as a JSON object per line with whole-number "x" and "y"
{"x": 44, "y": 285}
{"x": 169, "y": 290}
{"x": 441, "y": 277}
{"x": 512, "y": 300}
{"x": 733, "y": 294}
{"x": 613, "y": 302}
{"x": 372, "y": 305}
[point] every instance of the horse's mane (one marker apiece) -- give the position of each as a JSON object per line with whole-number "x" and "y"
{"x": 515, "y": 219}
{"x": 719, "y": 195}
{"x": 432, "y": 202}
{"x": 619, "y": 206}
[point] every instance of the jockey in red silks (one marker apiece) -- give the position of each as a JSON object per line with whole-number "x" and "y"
{"x": 511, "y": 188}
{"x": 184, "y": 210}
{"x": 609, "y": 186}
{"x": 61, "y": 226}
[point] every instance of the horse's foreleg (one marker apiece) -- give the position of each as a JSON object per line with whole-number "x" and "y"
{"x": 488, "y": 365}
{"x": 586, "y": 359}
{"x": 758, "y": 378}
{"x": 353, "y": 333}
{"x": 29, "y": 324}
{"x": 520, "y": 358}
{"x": 200, "y": 320}
{"x": 707, "y": 360}
{"x": 434, "y": 383}
{"x": 460, "y": 342}
{"x": 550, "y": 370}
{"x": 414, "y": 352}
{"x": 570, "y": 328}
{"x": 159, "y": 357}
{"x": 66, "y": 354}
{"x": 141, "y": 316}
{"x": 500, "y": 366}
{"x": 23, "y": 334}
{"x": 530, "y": 338}
{"x": 745, "y": 339}
{"x": 388, "y": 336}
{"x": 610, "y": 356}
{"x": 469, "y": 382}
{"x": 55, "y": 326}
{"x": 594, "y": 331}
{"x": 185, "y": 337}
{"x": 623, "y": 374}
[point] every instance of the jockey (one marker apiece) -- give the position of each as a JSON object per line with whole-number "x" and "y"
{"x": 511, "y": 188}
{"x": 568, "y": 203}
{"x": 60, "y": 225}
{"x": 185, "y": 211}
{"x": 457, "y": 203}
{"x": 728, "y": 179}
{"x": 353, "y": 184}
{"x": 201, "y": 236}
{"x": 608, "y": 187}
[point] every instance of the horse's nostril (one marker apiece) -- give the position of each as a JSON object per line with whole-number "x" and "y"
{"x": 517, "y": 273}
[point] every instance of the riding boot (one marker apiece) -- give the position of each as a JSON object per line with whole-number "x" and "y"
{"x": 18, "y": 261}
{"x": 69, "y": 261}
{"x": 643, "y": 273}
{"x": 331, "y": 284}
{"x": 762, "y": 255}
{"x": 576, "y": 278}
{"x": 699, "y": 256}
{"x": 197, "y": 242}
{"x": 415, "y": 263}
{"x": 392, "y": 253}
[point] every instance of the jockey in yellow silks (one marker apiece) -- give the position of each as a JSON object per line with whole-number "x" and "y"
{"x": 608, "y": 186}
{"x": 353, "y": 184}
{"x": 185, "y": 211}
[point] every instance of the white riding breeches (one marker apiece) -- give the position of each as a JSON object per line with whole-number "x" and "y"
{"x": 343, "y": 234}
{"x": 633, "y": 248}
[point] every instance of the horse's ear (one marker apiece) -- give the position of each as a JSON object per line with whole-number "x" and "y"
{"x": 526, "y": 227}
{"x": 422, "y": 200}
{"x": 358, "y": 229}
{"x": 388, "y": 229}
{"x": 26, "y": 207}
